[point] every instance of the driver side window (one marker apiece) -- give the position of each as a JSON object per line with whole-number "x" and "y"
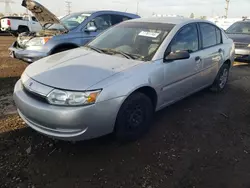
{"x": 186, "y": 40}
{"x": 102, "y": 22}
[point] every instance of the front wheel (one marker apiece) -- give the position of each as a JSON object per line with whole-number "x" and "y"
{"x": 221, "y": 79}
{"x": 134, "y": 117}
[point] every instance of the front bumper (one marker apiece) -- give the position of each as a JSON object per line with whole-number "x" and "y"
{"x": 242, "y": 54}
{"x": 28, "y": 56}
{"x": 67, "y": 123}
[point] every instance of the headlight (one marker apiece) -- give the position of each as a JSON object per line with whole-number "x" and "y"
{"x": 38, "y": 41}
{"x": 248, "y": 46}
{"x": 68, "y": 98}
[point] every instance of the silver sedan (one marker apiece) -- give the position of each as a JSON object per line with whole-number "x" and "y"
{"x": 116, "y": 82}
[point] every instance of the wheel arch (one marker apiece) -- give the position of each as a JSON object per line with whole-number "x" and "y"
{"x": 149, "y": 91}
{"x": 64, "y": 45}
{"x": 228, "y": 62}
{"x": 23, "y": 26}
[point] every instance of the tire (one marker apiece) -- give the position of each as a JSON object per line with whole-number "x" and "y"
{"x": 221, "y": 79}
{"x": 134, "y": 117}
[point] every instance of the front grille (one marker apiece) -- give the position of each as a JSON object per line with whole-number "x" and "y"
{"x": 241, "y": 45}
{"x": 35, "y": 95}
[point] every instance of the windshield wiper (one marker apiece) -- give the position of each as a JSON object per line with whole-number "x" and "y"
{"x": 95, "y": 49}
{"x": 127, "y": 55}
{"x": 112, "y": 52}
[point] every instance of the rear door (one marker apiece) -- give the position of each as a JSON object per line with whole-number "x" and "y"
{"x": 212, "y": 47}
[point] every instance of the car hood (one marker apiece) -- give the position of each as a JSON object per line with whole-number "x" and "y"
{"x": 240, "y": 38}
{"x": 42, "y": 14}
{"x": 77, "y": 69}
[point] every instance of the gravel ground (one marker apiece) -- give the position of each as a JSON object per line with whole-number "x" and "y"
{"x": 202, "y": 141}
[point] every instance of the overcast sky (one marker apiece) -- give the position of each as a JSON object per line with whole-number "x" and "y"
{"x": 237, "y": 8}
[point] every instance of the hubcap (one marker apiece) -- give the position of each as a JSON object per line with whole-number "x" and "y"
{"x": 223, "y": 78}
{"x": 134, "y": 117}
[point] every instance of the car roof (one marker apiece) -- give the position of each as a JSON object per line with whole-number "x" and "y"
{"x": 168, "y": 20}
{"x": 105, "y": 11}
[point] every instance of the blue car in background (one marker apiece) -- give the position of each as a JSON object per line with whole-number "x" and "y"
{"x": 70, "y": 32}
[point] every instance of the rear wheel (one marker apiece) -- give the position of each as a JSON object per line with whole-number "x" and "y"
{"x": 134, "y": 117}
{"x": 221, "y": 79}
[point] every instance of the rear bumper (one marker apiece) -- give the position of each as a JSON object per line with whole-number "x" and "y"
{"x": 5, "y": 29}
{"x": 28, "y": 56}
{"x": 242, "y": 54}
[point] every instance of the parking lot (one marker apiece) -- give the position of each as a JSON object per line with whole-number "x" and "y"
{"x": 202, "y": 141}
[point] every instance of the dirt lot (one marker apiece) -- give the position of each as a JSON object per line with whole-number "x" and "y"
{"x": 202, "y": 141}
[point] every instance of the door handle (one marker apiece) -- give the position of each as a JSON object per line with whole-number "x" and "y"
{"x": 220, "y": 50}
{"x": 198, "y": 58}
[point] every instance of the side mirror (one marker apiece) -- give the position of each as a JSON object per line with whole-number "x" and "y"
{"x": 177, "y": 56}
{"x": 91, "y": 29}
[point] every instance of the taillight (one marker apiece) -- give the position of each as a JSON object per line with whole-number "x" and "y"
{"x": 8, "y": 22}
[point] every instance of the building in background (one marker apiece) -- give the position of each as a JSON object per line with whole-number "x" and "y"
{"x": 165, "y": 15}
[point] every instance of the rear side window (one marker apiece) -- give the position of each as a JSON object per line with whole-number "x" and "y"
{"x": 209, "y": 35}
{"x": 115, "y": 19}
{"x": 218, "y": 36}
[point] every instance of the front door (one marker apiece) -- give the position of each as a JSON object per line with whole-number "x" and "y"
{"x": 182, "y": 77}
{"x": 101, "y": 22}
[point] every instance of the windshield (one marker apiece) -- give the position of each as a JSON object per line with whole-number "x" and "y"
{"x": 141, "y": 40}
{"x": 239, "y": 28}
{"x": 71, "y": 21}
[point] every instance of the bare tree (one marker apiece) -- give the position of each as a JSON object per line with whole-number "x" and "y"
{"x": 192, "y": 15}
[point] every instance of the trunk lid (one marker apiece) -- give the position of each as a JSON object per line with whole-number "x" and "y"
{"x": 5, "y": 23}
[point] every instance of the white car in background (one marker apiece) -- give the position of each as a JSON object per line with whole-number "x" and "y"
{"x": 16, "y": 25}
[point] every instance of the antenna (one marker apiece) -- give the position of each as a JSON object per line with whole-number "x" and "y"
{"x": 227, "y": 8}
{"x": 7, "y": 4}
{"x": 68, "y": 6}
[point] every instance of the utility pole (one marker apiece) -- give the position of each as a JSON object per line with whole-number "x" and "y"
{"x": 68, "y": 6}
{"x": 137, "y": 8}
{"x": 227, "y": 8}
{"x": 7, "y": 6}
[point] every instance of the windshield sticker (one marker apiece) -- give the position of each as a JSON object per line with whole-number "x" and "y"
{"x": 149, "y": 34}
